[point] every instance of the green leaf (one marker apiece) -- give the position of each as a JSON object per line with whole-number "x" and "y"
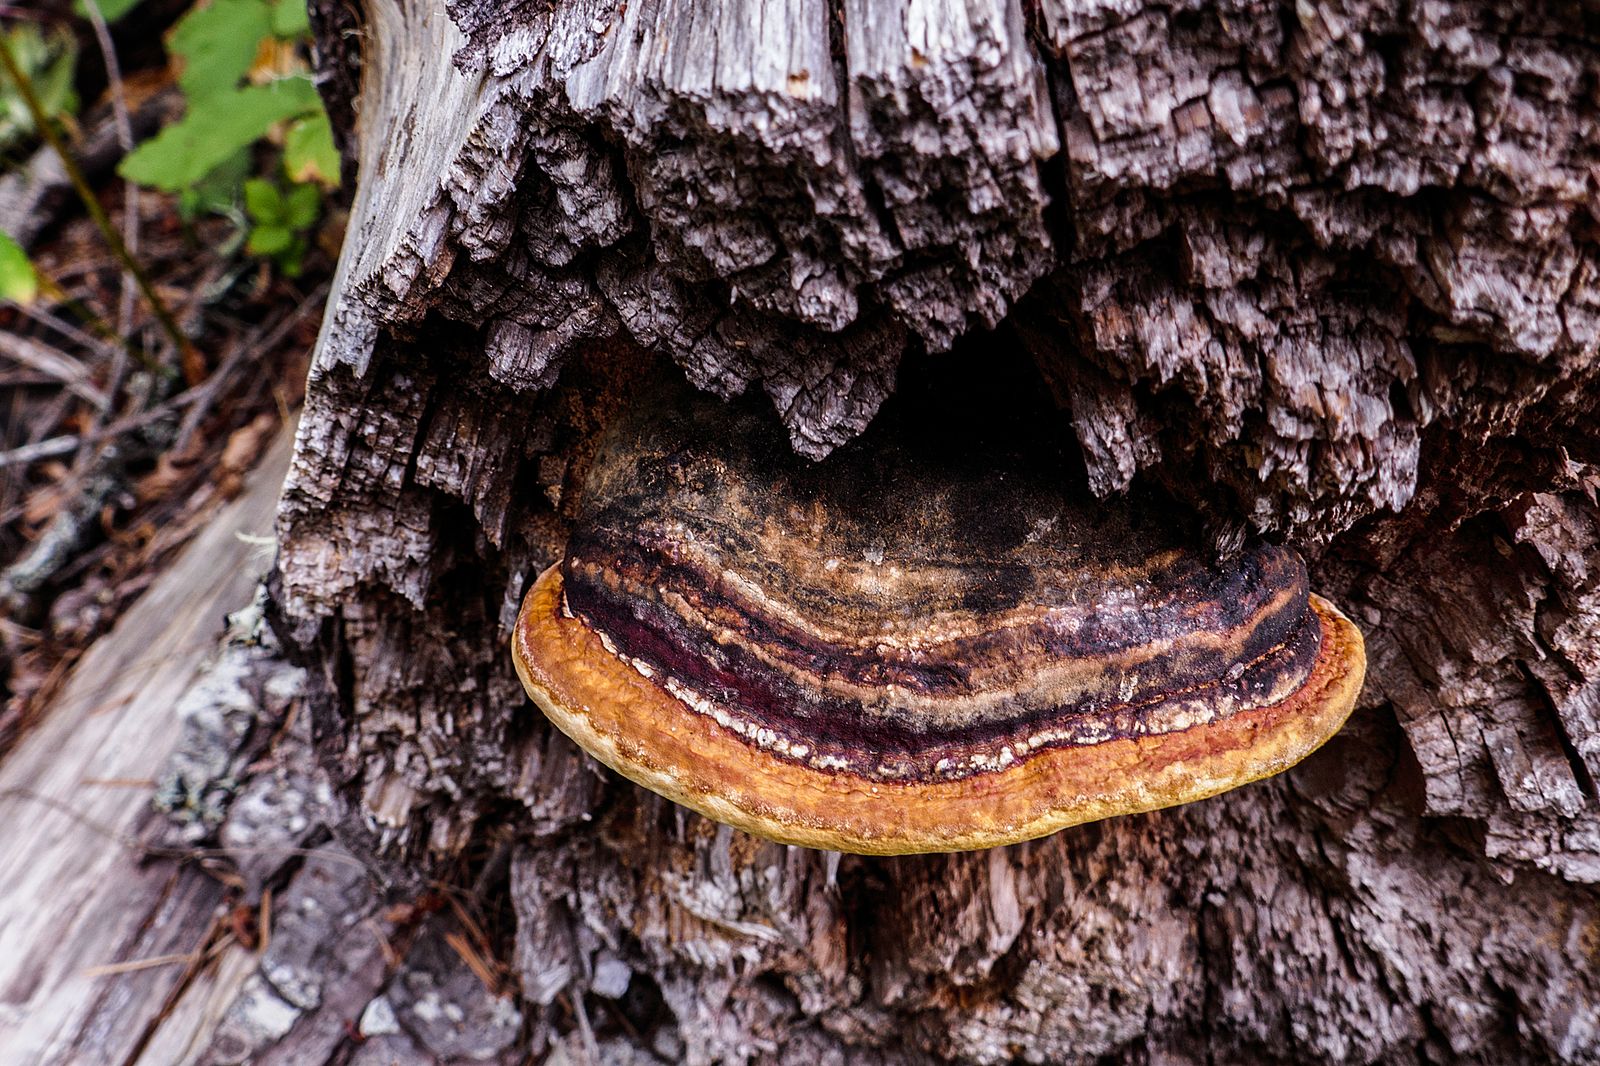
{"x": 291, "y": 262}
{"x": 29, "y": 46}
{"x": 263, "y": 202}
{"x": 218, "y": 192}
{"x": 48, "y": 60}
{"x": 302, "y": 206}
{"x": 53, "y": 83}
{"x": 289, "y": 19}
{"x": 110, "y": 10}
{"x": 308, "y": 151}
{"x": 192, "y": 147}
{"x": 218, "y": 44}
{"x": 269, "y": 240}
{"x": 19, "y": 282}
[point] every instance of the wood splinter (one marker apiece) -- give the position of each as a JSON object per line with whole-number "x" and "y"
{"x": 915, "y": 645}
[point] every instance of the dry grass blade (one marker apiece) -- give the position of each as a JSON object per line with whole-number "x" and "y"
{"x": 481, "y": 967}
{"x": 133, "y": 965}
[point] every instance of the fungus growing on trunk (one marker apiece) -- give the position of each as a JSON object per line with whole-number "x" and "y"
{"x": 926, "y": 642}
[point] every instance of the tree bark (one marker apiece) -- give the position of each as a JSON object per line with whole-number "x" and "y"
{"x": 1324, "y": 270}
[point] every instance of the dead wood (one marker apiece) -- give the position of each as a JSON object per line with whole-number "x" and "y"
{"x": 1327, "y": 271}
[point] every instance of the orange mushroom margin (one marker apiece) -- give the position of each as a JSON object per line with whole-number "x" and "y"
{"x": 635, "y": 726}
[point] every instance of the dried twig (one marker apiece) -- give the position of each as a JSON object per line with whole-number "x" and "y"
{"x": 198, "y": 399}
{"x": 205, "y": 393}
{"x": 42, "y": 315}
{"x": 154, "y": 851}
{"x": 130, "y": 191}
{"x": 36, "y": 355}
{"x": 264, "y": 921}
{"x": 45, "y": 449}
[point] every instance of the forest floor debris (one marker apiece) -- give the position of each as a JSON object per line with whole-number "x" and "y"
{"x": 114, "y": 447}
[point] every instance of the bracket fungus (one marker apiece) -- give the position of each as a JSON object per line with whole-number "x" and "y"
{"x": 914, "y": 645}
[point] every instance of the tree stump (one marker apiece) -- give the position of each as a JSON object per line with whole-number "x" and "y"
{"x": 1327, "y": 272}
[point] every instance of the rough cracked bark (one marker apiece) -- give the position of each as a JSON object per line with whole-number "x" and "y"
{"x": 1329, "y": 270}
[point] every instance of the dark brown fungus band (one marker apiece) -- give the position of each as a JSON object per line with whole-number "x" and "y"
{"x": 915, "y": 645}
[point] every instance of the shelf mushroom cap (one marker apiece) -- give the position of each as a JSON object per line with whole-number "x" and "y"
{"x": 903, "y": 649}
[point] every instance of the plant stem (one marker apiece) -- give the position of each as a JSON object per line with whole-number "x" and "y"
{"x": 193, "y": 368}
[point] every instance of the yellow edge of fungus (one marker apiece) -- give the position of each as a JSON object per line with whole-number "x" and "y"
{"x": 637, "y": 728}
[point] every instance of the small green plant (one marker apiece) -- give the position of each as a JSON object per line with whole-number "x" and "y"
{"x": 19, "y": 282}
{"x": 281, "y": 221}
{"x": 47, "y": 60}
{"x": 243, "y": 84}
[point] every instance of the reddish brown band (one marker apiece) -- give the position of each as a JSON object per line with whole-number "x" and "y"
{"x": 637, "y": 727}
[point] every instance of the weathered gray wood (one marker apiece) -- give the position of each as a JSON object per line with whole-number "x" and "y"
{"x": 76, "y": 796}
{"x": 1326, "y": 270}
